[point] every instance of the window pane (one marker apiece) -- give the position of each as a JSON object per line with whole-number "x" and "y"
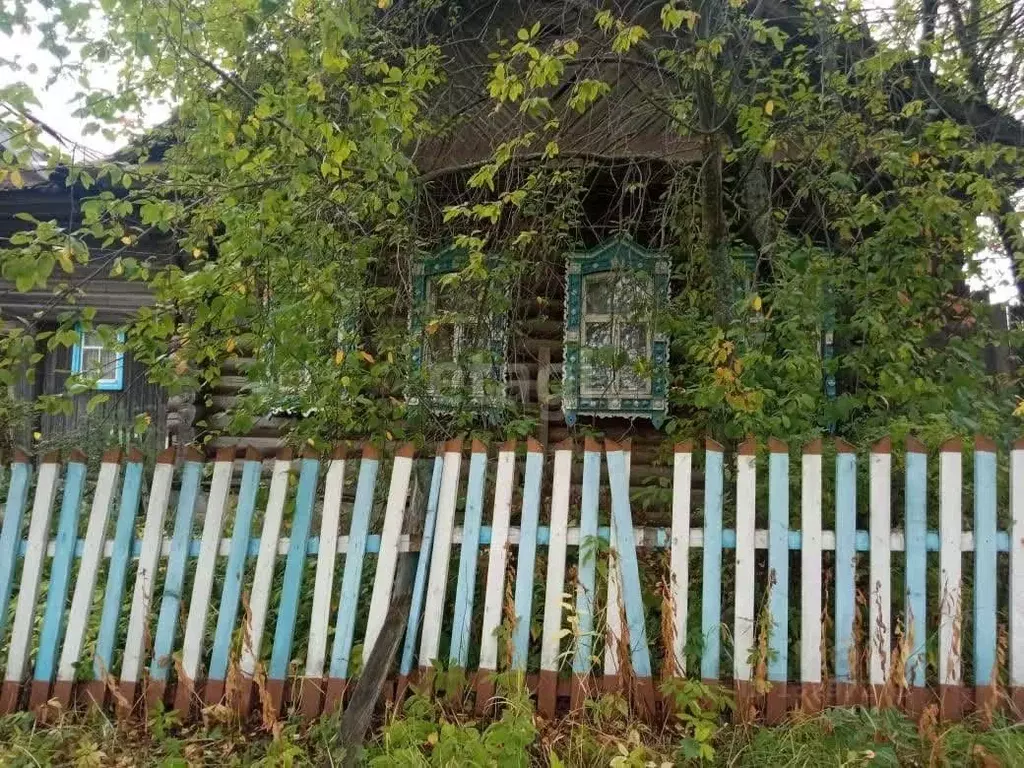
{"x": 91, "y": 339}
{"x": 598, "y": 335}
{"x": 440, "y": 342}
{"x": 101, "y": 363}
{"x": 598, "y": 295}
{"x": 454, "y": 297}
{"x": 633, "y": 295}
{"x": 598, "y": 358}
{"x": 633, "y": 338}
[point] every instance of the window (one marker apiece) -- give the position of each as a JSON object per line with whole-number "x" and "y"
{"x": 460, "y": 348}
{"x": 96, "y": 359}
{"x": 616, "y": 361}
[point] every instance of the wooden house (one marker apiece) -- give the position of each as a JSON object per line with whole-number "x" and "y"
{"x": 582, "y": 353}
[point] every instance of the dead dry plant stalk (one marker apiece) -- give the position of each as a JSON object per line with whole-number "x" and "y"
{"x": 859, "y": 648}
{"x": 671, "y": 666}
{"x": 762, "y": 649}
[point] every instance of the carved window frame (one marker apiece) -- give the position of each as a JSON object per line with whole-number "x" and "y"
{"x": 617, "y": 255}
{"x": 450, "y": 260}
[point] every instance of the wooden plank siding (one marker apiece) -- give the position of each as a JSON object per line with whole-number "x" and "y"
{"x": 112, "y": 419}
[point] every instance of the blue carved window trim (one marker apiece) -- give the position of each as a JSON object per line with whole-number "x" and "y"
{"x": 618, "y": 255}
{"x": 450, "y": 260}
{"x": 111, "y": 380}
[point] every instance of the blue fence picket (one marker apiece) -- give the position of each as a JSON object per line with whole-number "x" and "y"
{"x": 711, "y": 594}
{"x": 629, "y": 570}
{"x": 586, "y": 586}
{"x": 778, "y": 564}
{"x": 10, "y": 534}
{"x": 60, "y": 570}
{"x": 227, "y": 614}
{"x": 466, "y": 582}
{"x": 985, "y": 573}
{"x": 419, "y": 587}
{"x": 291, "y": 585}
{"x": 916, "y": 560}
{"x": 174, "y": 579}
{"x": 527, "y": 554}
{"x": 352, "y": 576}
{"x": 124, "y": 530}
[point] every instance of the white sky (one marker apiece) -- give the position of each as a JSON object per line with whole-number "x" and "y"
{"x": 56, "y": 106}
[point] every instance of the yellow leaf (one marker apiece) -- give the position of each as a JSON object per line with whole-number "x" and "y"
{"x": 15, "y": 177}
{"x": 382, "y": 4}
{"x": 756, "y": 303}
{"x": 389, "y": 436}
{"x": 339, "y": 357}
{"x": 769, "y": 107}
{"x": 432, "y": 327}
{"x": 127, "y": 239}
{"x": 230, "y": 345}
{"x": 1019, "y": 410}
{"x": 64, "y": 257}
{"x": 196, "y": 253}
{"x": 366, "y": 356}
{"x": 915, "y": 158}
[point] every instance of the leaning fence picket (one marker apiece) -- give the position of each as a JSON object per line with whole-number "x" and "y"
{"x": 263, "y": 577}
{"x": 437, "y": 583}
{"x": 145, "y": 578}
{"x": 28, "y": 589}
{"x": 323, "y": 584}
{"x": 387, "y": 558}
{"x": 88, "y": 569}
{"x": 117, "y": 570}
{"x": 629, "y": 573}
{"x": 234, "y": 570}
{"x": 202, "y": 586}
{"x": 60, "y": 578}
{"x": 10, "y": 533}
{"x": 174, "y": 579}
{"x": 465, "y": 583}
{"x": 352, "y": 576}
{"x": 586, "y": 576}
{"x": 419, "y": 586}
{"x": 291, "y": 586}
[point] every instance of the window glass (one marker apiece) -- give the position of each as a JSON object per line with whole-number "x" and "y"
{"x": 616, "y": 333}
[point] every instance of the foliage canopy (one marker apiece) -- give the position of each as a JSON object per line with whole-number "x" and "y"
{"x": 815, "y": 172}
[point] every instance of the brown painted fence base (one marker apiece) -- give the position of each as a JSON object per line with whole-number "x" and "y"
{"x": 311, "y": 697}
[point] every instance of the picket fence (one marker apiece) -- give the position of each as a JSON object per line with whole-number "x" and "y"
{"x": 574, "y": 624}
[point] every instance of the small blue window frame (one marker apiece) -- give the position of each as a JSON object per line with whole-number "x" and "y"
{"x": 109, "y": 384}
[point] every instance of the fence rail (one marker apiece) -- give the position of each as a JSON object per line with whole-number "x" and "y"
{"x": 866, "y": 613}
